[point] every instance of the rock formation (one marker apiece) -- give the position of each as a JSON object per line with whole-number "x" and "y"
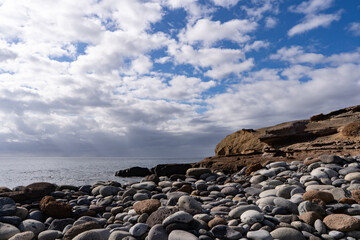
{"x": 335, "y": 132}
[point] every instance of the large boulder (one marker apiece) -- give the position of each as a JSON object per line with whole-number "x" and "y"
{"x": 170, "y": 169}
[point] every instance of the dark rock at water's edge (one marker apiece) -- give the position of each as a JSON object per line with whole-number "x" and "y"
{"x": 171, "y": 169}
{"x": 158, "y": 170}
{"x": 133, "y": 172}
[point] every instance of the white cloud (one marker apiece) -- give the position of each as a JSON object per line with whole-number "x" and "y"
{"x": 270, "y": 22}
{"x": 272, "y": 100}
{"x": 296, "y": 54}
{"x": 221, "y": 62}
{"x": 312, "y": 6}
{"x": 194, "y": 9}
{"x": 142, "y": 64}
{"x": 209, "y": 32}
{"x": 354, "y": 28}
{"x": 256, "y": 46}
{"x": 260, "y": 7}
{"x": 226, "y": 3}
{"x": 313, "y": 19}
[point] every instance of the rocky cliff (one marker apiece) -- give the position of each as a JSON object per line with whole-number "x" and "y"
{"x": 336, "y": 132}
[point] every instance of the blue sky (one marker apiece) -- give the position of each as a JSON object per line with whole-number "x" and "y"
{"x": 168, "y": 78}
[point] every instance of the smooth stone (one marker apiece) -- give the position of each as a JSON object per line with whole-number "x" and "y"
{"x": 13, "y": 220}
{"x": 139, "y": 229}
{"x": 230, "y": 191}
{"x": 21, "y": 212}
{"x": 252, "y": 216}
{"x": 267, "y": 201}
{"x": 28, "y": 235}
{"x": 290, "y": 206}
{"x": 348, "y": 170}
{"x": 238, "y": 211}
{"x": 286, "y": 233}
{"x": 180, "y": 217}
{"x": 86, "y": 219}
{"x": 119, "y": 235}
{"x": 252, "y": 191}
{"x": 95, "y": 234}
{"x": 285, "y": 191}
{"x": 225, "y": 232}
{"x": 144, "y": 185}
{"x": 319, "y": 187}
{"x": 140, "y": 196}
{"x": 60, "y": 224}
{"x": 7, "y": 206}
{"x": 157, "y": 232}
{"x": 190, "y": 204}
{"x": 320, "y": 226}
{"x": 352, "y": 176}
{"x": 259, "y": 235}
{"x": 32, "y": 225}
{"x": 341, "y": 222}
{"x": 268, "y": 193}
{"x": 36, "y": 215}
{"x": 49, "y": 235}
{"x": 336, "y": 234}
{"x": 307, "y": 206}
{"x": 7, "y": 231}
{"x": 108, "y": 190}
{"x": 181, "y": 235}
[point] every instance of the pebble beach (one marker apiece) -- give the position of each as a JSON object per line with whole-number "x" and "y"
{"x": 313, "y": 199}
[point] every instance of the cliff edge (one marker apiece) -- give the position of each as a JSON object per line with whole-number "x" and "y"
{"x": 336, "y": 132}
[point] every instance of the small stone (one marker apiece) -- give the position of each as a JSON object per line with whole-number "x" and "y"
{"x": 98, "y": 234}
{"x": 325, "y": 196}
{"x": 28, "y": 235}
{"x": 285, "y": 233}
{"x": 180, "y": 216}
{"x": 320, "y": 226}
{"x": 147, "y": 206}
{"x": 216, "y": 221}
{"x": 352, "y": 176}
{"x": 32, "y": 225}
{"x": 119, "y": 235}
{"x": 7, "y": 230}
{"x": 49, "y": 235}
{"x": 55, "y": 209}
{"x": 230, "y": 191}
{"x": 144, "y": 185}
{"x": 138, "y": 229}
{"x": 288, "y": 205}
{"x": 259, "y": 235}
{"x": 108, "y": 190}
{"x": 75, "y": 230}
{"x": 7, "y": 206}
{"x": 225, "y": 232}
{"x": 310, "y": 217}
{"x": 341, "y": 222}
{"x": 181, "y": 235}
{"x": 189, "y": 204}
{"x": 252, "y": 216}
{"x": 157, "y": 232}
{"x": 236, "y": 212}
{"x": 21, "y": 212}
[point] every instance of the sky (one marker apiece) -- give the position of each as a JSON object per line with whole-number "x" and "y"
{"x": 168, "y": 77}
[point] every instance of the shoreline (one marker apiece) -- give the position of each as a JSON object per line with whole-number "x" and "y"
{"x": 318, "y": 198}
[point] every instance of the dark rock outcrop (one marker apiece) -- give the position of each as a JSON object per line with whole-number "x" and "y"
{"x": 133, "y": 172}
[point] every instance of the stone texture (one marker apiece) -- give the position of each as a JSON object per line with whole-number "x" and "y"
{"x": 147, "y": 206}
{"x": 76, "y": 230}
{"x": 55, "y": 209}
{"x": 314, "y": 194}
{"x": 341, "y": 222}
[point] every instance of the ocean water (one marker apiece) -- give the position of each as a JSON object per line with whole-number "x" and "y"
{"x": 73, "y": 170}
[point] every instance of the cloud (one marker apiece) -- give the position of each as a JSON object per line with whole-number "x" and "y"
{"x": 270, "y": 100}
{"x": 260, "y": 7}
{"x": 221, "y": 62}
{"x": 354, "y": 28}
{"x": 270, "y": 22}
{"x": 313, "y": 18}
{"x": 209, "y": 32}
{"x": 314, "y": 21}
{"x": 226, "y": 3}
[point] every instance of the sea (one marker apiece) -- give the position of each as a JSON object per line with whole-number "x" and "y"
{"x": 77, "y": 171}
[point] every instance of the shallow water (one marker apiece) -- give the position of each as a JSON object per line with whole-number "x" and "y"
{"x": 73, "y": 170}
